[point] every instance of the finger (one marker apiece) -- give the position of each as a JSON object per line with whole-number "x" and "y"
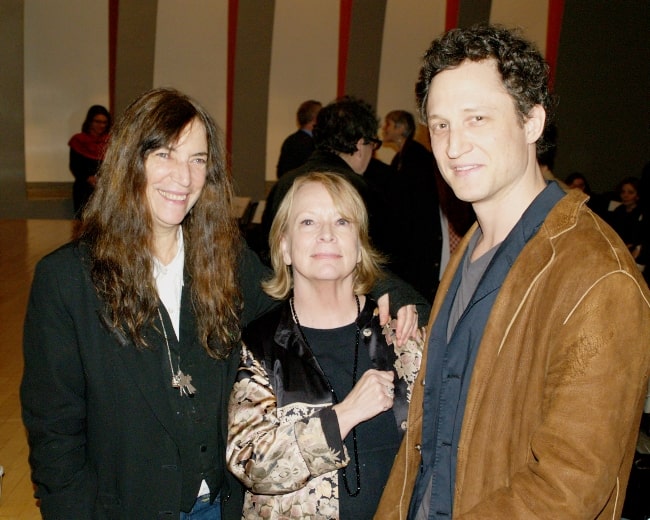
{"x": 384, "y": 311}
{"x": 383, "y": 375}
{"x": 406, "y": 321}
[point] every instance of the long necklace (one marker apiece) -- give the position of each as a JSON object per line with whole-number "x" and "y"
{"x": 179, "y": 380}
{"x": 334, "y": 396}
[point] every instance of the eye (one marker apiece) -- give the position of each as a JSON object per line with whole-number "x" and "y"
{"x": 200, "y": 160}
{"x": 306, "y": 222}
{"x": 437, "y": 127}
{"x": 163, "y": 154}
{"x": 343, "y": 221}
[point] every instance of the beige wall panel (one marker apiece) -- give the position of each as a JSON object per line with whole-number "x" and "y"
{"x": 304, "y": 63}
{"x": 410, "y": 27}
{"x": 530, "y": 15}
{"x": 192, "y": 51}
{"x": 66, "y": 71}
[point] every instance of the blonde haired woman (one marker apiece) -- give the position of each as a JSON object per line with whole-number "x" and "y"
{"x": 317, "y": 412}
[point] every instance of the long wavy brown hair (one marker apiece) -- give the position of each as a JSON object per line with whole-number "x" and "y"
{"x": 118, "y": 228}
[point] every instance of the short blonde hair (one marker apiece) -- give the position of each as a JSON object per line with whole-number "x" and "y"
{"x": 351, "y": 206}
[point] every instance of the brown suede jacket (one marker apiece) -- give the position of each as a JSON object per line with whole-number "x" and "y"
{"x": 558, "y": 386}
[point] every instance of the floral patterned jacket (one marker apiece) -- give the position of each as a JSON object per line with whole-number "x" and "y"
{"x": 284, "y": 442}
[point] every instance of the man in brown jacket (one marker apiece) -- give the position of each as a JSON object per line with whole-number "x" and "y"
{"x": 530, "y": 393}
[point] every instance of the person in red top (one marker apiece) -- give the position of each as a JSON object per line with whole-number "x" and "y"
{"x": 86, "y": 154}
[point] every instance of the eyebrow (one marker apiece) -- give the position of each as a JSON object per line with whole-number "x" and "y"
{"x": 469, "y": 110}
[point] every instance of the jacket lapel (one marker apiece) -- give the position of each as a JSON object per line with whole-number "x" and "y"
{"x": 145, "y": 369}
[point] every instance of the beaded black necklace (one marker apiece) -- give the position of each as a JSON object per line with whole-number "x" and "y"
{"x": 334, "y": 396}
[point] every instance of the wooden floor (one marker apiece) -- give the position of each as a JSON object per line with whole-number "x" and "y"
{"x": 22, "y": 244}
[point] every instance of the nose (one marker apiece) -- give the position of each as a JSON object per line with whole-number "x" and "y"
{"x": 326, "y": 234}
{"x": 457, "y": 143}
{"x": 181, "y": 173}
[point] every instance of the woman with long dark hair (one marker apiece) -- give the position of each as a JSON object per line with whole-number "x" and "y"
{"x": 87, "y": 153}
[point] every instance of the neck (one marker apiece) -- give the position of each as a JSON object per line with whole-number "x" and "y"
{"x": 499, "y": 215}
{"x": 165, "y": 245}
{"x": 319, "y": 310}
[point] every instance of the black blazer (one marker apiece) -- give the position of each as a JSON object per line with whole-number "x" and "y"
{"x": 103, "y": 422}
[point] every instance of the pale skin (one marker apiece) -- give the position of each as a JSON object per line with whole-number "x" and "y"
{"x": 393, "y": 133}
{"x": 483, "y": 149}
{"x": 323, "y": 249}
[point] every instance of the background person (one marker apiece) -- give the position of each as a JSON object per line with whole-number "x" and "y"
{"x": 322, "y": 391}
{"x": 86, "y": 154}
{"x": 297, "y": 148}
{"x": 627, "y": 218}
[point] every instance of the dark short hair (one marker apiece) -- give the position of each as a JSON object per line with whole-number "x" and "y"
{"x": 523, "y": 70}
{"x": 341, "y": 124}
{"x": 307, "y": 111}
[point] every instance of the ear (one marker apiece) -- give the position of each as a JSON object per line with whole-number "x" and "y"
{"x": 284, "y": 247}
{"x": 534, "y": 124}
{"x": 359, "y": 146}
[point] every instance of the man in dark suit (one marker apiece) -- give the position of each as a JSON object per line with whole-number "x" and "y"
{"x": 298, "y": 146}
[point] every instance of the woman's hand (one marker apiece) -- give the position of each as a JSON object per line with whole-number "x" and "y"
{"x": 373, "y": 394}
{"x": 407, "y": 320}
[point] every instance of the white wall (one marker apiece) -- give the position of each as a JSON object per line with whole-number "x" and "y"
{"x": 66, "y": 71}
{"x": 304, "y": 61}
{"x": 192, "y": 51}
{"x": 409, "y": 28}
{"x": 529, "y": 15}
{"x": 66, "y": 62}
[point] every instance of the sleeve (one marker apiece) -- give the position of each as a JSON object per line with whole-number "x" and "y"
{"x": 251, "y": 274}
{"x": 273, "y": 455}
{"x": 401, "y": 294}
{"x": 53, "y": 402}
{"x": 596, "y": 380}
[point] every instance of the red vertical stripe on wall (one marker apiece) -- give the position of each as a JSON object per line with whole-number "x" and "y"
{"x": 233, "y": 9}
{"x": 555, "y": 12}
{"x": 345, "y": 23}
{"x": 451, "y": 16}
{"x": 113, "y": 10}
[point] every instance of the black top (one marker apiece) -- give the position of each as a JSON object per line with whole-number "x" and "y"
{"x": 295, "y": 151}
{"x": 377, "y": 438}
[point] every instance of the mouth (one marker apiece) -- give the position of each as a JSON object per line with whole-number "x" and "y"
{"x": 464, "y": 169}
{"x": 173, "y": 196}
